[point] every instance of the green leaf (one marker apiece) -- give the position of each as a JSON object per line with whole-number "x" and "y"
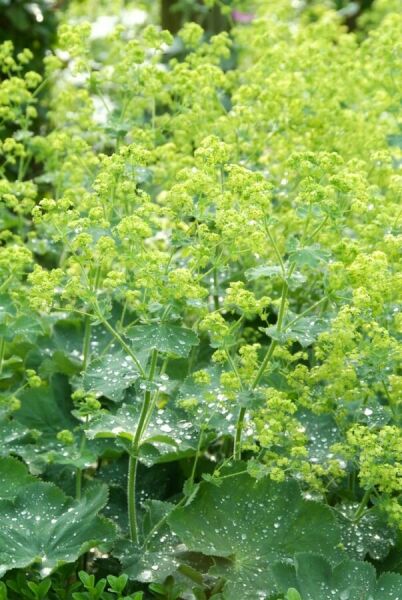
{"x": 27, "y": 328}
{"x": 46, "y": 409}
{"x": 13, "y": 476}
{"x": 43, "y": 526}
{"x": 164, "y": 337}
{"x": 371, "y": 534}
{"x": 111, "y": 375}
{"x": 322, "y": 432}
{"x": 251, "y": 524}
{"x": 10, "y": 432}
{"x": 296, "y": 278}
{"x": 293, "y": 594}
{"x": 314, "y": 578}
{"x": 207, "y": 404}
{"x": 307, "y": 256}
{"x": 305, "y": 331}
{"x": 169, "y": 435}
{"x": 157, "y": 559}
{"x": 263, "y": 271}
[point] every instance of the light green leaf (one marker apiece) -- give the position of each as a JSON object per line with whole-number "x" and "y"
{"x": 305, "y": 331}
{"x": 314, "y": 578}
{"x": 307, "y": 256}
{"x": 296, "y": 278}
{"x": 164, "y": 337}
{"x": 263, "y": 271}
{"x": 43, "y": 526}
{"x": 111, "y": 375}
{"x": 13, "y": 476}
{"x": 26, "y": 327}
{"x": 251, "y": 524}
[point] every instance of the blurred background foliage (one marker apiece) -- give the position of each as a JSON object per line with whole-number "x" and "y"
{"x": 34, "y": 24}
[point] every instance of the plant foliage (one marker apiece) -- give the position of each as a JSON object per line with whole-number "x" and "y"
{"x": 200, "y": 324}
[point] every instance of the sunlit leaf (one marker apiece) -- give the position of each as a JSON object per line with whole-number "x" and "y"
{"x": 164, "y": 337}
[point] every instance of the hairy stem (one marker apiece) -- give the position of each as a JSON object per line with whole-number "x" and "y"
{"x": 263, "y": 366}
{"x": 2, "y": 351}
{"x": 122, "y": 343}
{"x": 133, "y": 459}
{"x": 362, "y": 506}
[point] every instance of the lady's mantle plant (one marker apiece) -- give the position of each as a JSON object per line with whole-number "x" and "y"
{"x": 200, "y": 309}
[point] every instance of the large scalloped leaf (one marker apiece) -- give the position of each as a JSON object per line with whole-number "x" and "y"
{"x": 251, "y": 524}
{"x": 110, "y": 375}
{"x": 13, "y": 476}
{"x": 169, "y": 435}
{"x": 46, "y": 409}
{"x": 314, "y": 578}
{"x": 157, "y": 559}
{"x": 164, "y": 337}
{"x": 371, "y": 534}
{"x": 10, "y": 432}
{"x": 43, "y": 526}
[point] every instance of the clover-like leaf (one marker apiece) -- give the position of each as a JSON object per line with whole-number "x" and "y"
{"x": 164, "y": 337}
{"x": 314, "y": 578}
{"x": 43, "y": 526}
{"x": 13, "y": 476}
{"x": 251, "y": 524}
{"x": 110, "y": 375}
{"x": 169, "y": 435}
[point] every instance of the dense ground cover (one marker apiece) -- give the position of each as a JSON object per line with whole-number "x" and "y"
{"x": 200, "y": 312}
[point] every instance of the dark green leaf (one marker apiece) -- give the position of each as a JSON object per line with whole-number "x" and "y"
{"x": 13, "y": 476}
{"x": 253, "y": 523}
{"x": 44, "y": 527}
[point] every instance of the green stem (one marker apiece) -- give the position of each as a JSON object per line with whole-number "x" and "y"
{"x": 305, "y": 312}
{"x": 216, "y": 287}
{"x": 388, "y": 395}
{"x": 263, "y": 366}
{"x": 197, "y": 455}
{"x": 184, "y": 499}
{"x": 122, "y": 343}
{"x": 79, "y": 472}
{"x": 275, "y": 247}
{"x": 133, "y": 459}
{"x": 6, "y": 282}
{"x": 362, "y": 506}
{"x": 2, "y": 352}
{"x": 86, "y": 346}
{"x": 239, "y": 431}
{"x": 233, "y": 366}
